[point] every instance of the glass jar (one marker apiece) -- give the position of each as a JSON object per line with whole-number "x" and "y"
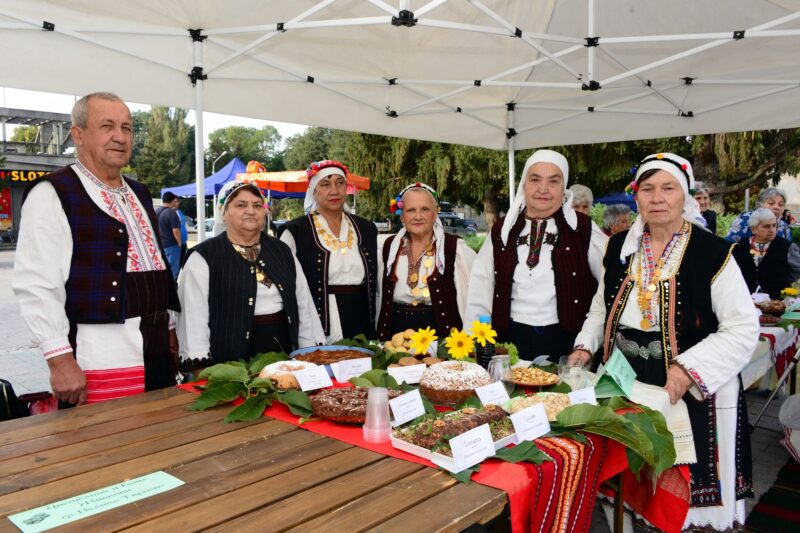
{"x": 500, "y": 370}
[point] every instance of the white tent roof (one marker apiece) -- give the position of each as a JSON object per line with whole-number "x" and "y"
{"x": 447, "y": 78}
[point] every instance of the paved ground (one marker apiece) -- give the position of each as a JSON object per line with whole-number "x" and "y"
{"x": 22, "y": 364}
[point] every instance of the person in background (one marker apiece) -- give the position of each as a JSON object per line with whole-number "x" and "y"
{"x": 425, "y": 271}
{"x": 538, "y": 269}
{"x": 616, "y": 218}
{"x": 582, "y": 198}
{"x": 777, "y": 260}
{"x": 774, "y": 200}
{"x": 184, "y": 235}
{"x": 338, "y": 253}
{"x": 243, "y": 292}
{"x": 679, "y": 311}
{"x": 787, "y": 216}
{"x": 169, "y": 228}
{"x": 701, "y": 194}
{"x": 90, "y": 275}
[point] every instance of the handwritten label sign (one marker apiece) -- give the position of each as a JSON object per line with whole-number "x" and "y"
{"x": 407, "y": 407}
{"x": 410, "y": 374}
{"x": 586, "y": 395}
{"x": 616, "y": 377}
{"x": 312, "y": 378}
{"x": 91, "y": 503}
{"x": 494, "y": 393}
{"x": 530, "y": 423}
{"x": 350, "y": 368}
{"x": 472, "y": 447}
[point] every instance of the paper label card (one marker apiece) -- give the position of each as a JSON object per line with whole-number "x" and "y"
{"x": 410, "y": 374}
{"x": 616, "y": 377}
{"x": 586, "y": 395}
{"x": 530, "y": 423}
{"x": 312, "y": 378}
{"x": 350, "y": 368}
{"x": 91, "y": 503}
{"x": 407, "y": 407}
{"x": 494, "y": 393}
{"x": 472, "y": 447}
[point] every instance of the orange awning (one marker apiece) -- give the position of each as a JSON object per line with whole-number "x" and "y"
{"x": 295, "y": 181}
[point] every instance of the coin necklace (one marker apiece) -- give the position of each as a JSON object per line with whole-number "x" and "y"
{"x": 648, "y": 274}
{"x": 250, "y": 254}
{"x": 419, "y": 291}
{"x": 330, "y": 241}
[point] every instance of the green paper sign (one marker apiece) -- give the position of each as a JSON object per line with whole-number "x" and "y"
{"x": 616, "y": 378}
{"x": 91, "y": 503}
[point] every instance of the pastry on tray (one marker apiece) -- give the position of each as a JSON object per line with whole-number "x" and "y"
{"x": 282, "y": 373}
{"x": 452, "y": 382}
{"x": 768, "y": 320}
{"x": 326, "y": 357}
{"x": 533, "y": 377}
{"x": 772, "y": 307}
{"x": 347, "y": 404}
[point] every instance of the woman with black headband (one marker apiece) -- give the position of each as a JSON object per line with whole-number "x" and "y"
{"x": 425, "y": 271}
{"x": 243, "y": 292}
{"x": 338, "y": 252}
{"x": 676, "y": 306}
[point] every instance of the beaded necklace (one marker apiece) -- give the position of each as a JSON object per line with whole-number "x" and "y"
{"x": 250, "y": 254}
{"x": 649, "y": 272}
{"x": 330, "y": 241}
{"x": 416, "y": 282}
{"x": 758, "y": 250}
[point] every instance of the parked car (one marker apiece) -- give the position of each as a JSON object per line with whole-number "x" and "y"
{"x": 470, "y": 223}
{"x": 456, "y": 225}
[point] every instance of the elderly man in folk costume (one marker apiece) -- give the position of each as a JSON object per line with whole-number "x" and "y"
{"x": 425, "y": 271}
{"x": 338, "y": 253}
{"x": 90, "y": 274}
{"x": 538, "y": 269}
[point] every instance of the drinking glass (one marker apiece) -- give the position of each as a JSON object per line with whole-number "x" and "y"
{"x": 573, "y": 374}
{"x": 500, "y": 370}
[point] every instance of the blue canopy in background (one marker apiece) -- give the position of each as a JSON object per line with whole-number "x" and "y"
{"x": 213, "y": 183}
{"x": 617, "y": 198}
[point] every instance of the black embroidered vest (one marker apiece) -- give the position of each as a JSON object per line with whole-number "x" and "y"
{"x": 773, "y": 271}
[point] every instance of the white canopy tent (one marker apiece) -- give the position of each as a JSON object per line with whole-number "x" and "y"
{"x": 503, "y": 74}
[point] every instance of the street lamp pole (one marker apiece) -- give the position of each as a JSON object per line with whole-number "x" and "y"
{"x": 214, "y": 205}
{"x": 214, "y": 162}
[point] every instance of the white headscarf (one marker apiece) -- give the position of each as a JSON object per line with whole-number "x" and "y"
{"x": 540, "y": 156}
{"x": 438, "y": 235}
{"x": 224, "y": 195}
{"x": 681, "y": 169}
{"x": 309, "y": 204}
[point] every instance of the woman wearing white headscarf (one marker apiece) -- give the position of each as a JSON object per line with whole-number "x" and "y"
{"x": 338, "y": 253}
{"x": 425, "y": 271}
{"x": 679, "y": 310}
{"x": 538, "y": 269}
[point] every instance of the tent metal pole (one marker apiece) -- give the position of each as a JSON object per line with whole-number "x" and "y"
{"x": 745, "y": 99}
{"x": 511, "y": 170}
{"x": 430, "y": 6}
{"x": 590, "y": 50}
{"x": 199, "y": 170}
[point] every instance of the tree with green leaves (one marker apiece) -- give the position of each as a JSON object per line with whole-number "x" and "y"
{"x": 164, "y": 153}
{"x": 26, "y": 134}
{"x": 248, "y": 144}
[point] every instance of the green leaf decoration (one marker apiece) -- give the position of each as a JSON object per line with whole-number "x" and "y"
{"x": 251, "y": 409}
{"x": 472, "y": 401}
{"x": 361, "y": 382}
{"x": 261, "y": 360}
{"x": 262, "y": 383}
{"x": 558, "y": 387}
{"x": 225, "y": 372}
{"x": 216, "y": 394}
{"x": 465, "y": 476}
{"x": 557, "y": 431}
{"x": 376, "y": 377}
{"x": 513, "y": 352}
{"x": 524, "y": 451}
{"x": 297, "y": 401}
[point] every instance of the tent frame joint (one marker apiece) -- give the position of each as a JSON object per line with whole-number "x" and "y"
{"x": 477, "y": 83}
{"x": 404, "y": 18}
{"x": 197, "y": 37}
{"x": 391, "y": 113}
{"x": 197, "y": 74}
{"x": 593, "y": 85}
{"x": 392, "y": 81}
{"x": 738, "y": 35}
{"x": 280, "y": 26}
{"x": 511, "y": 133}
{"x": 48, "y": 26}
{"x": 687, "y": 80}
{"x": 590, "y": 109}
{"x": 591, "y": 42}
{"x": 687, "y": 114}
{"x": 511, "y": 106}
{"x": 310, "y": 79}
{"x": 518, "y": 33}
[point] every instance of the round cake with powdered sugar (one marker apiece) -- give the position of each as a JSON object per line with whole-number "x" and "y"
{"x": 452, "y": 382}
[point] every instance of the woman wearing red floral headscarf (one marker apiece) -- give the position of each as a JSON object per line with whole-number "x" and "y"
{"x": 338, "y": 253}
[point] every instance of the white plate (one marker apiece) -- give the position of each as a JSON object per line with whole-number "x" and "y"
{"x": 448, "y": 463}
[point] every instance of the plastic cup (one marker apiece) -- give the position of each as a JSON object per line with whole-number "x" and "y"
{"x": 377, "y": 425}
{"x": 573, "y": 374}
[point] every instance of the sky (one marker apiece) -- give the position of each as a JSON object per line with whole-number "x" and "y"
{"x": 62, "y": 103}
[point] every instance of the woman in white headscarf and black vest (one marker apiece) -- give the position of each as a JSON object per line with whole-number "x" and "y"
{"x": 338, "y": 253}
{"x": 425, "y": 271}
{"x": 678, "y": 308}
{"x": 538, "y": 269}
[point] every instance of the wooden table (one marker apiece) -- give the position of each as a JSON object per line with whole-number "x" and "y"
{"x": 264, "y": 475}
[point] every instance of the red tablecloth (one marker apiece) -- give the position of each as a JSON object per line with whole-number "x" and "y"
{"x": 557, "y": 495}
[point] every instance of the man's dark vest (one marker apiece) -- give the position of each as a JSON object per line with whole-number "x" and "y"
{"x": 232, "y": 287}
{"x": 444, "y": 296}
{"x": 704, "y": 258}
{"x": 315, "y": 258}
{"x": 97, "y": 284}
{"x": 575, "y": 284}
{"x": 773, "y": 271}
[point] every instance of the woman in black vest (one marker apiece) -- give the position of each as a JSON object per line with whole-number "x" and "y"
{"x": 425, "y": 271}
{"x": 777, "y": 260}
{"x": 676, "y": 306}
{"x": 243, "y": 292}
{"x": 338, "y": 253}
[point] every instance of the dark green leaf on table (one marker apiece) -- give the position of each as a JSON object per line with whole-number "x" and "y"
{"x": 472, "y": 401}
{"x": 524, "y": 451}
{"x": 465, "y": 476}
{"x": 251, "y": 409}
{"x": 375, "y": 378}
{"x": 225, "y": 372}
{"x": 216, "y": 394}
{"x": 297, "y": 401}
{"x": 263, "y": 359}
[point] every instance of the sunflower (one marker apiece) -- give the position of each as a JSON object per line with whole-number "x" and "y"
{"x": 789, "y": 291}
{"x": 422, "y": 339}
{"x": 458, "y": 344}
{"x": 483, "y": 333}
